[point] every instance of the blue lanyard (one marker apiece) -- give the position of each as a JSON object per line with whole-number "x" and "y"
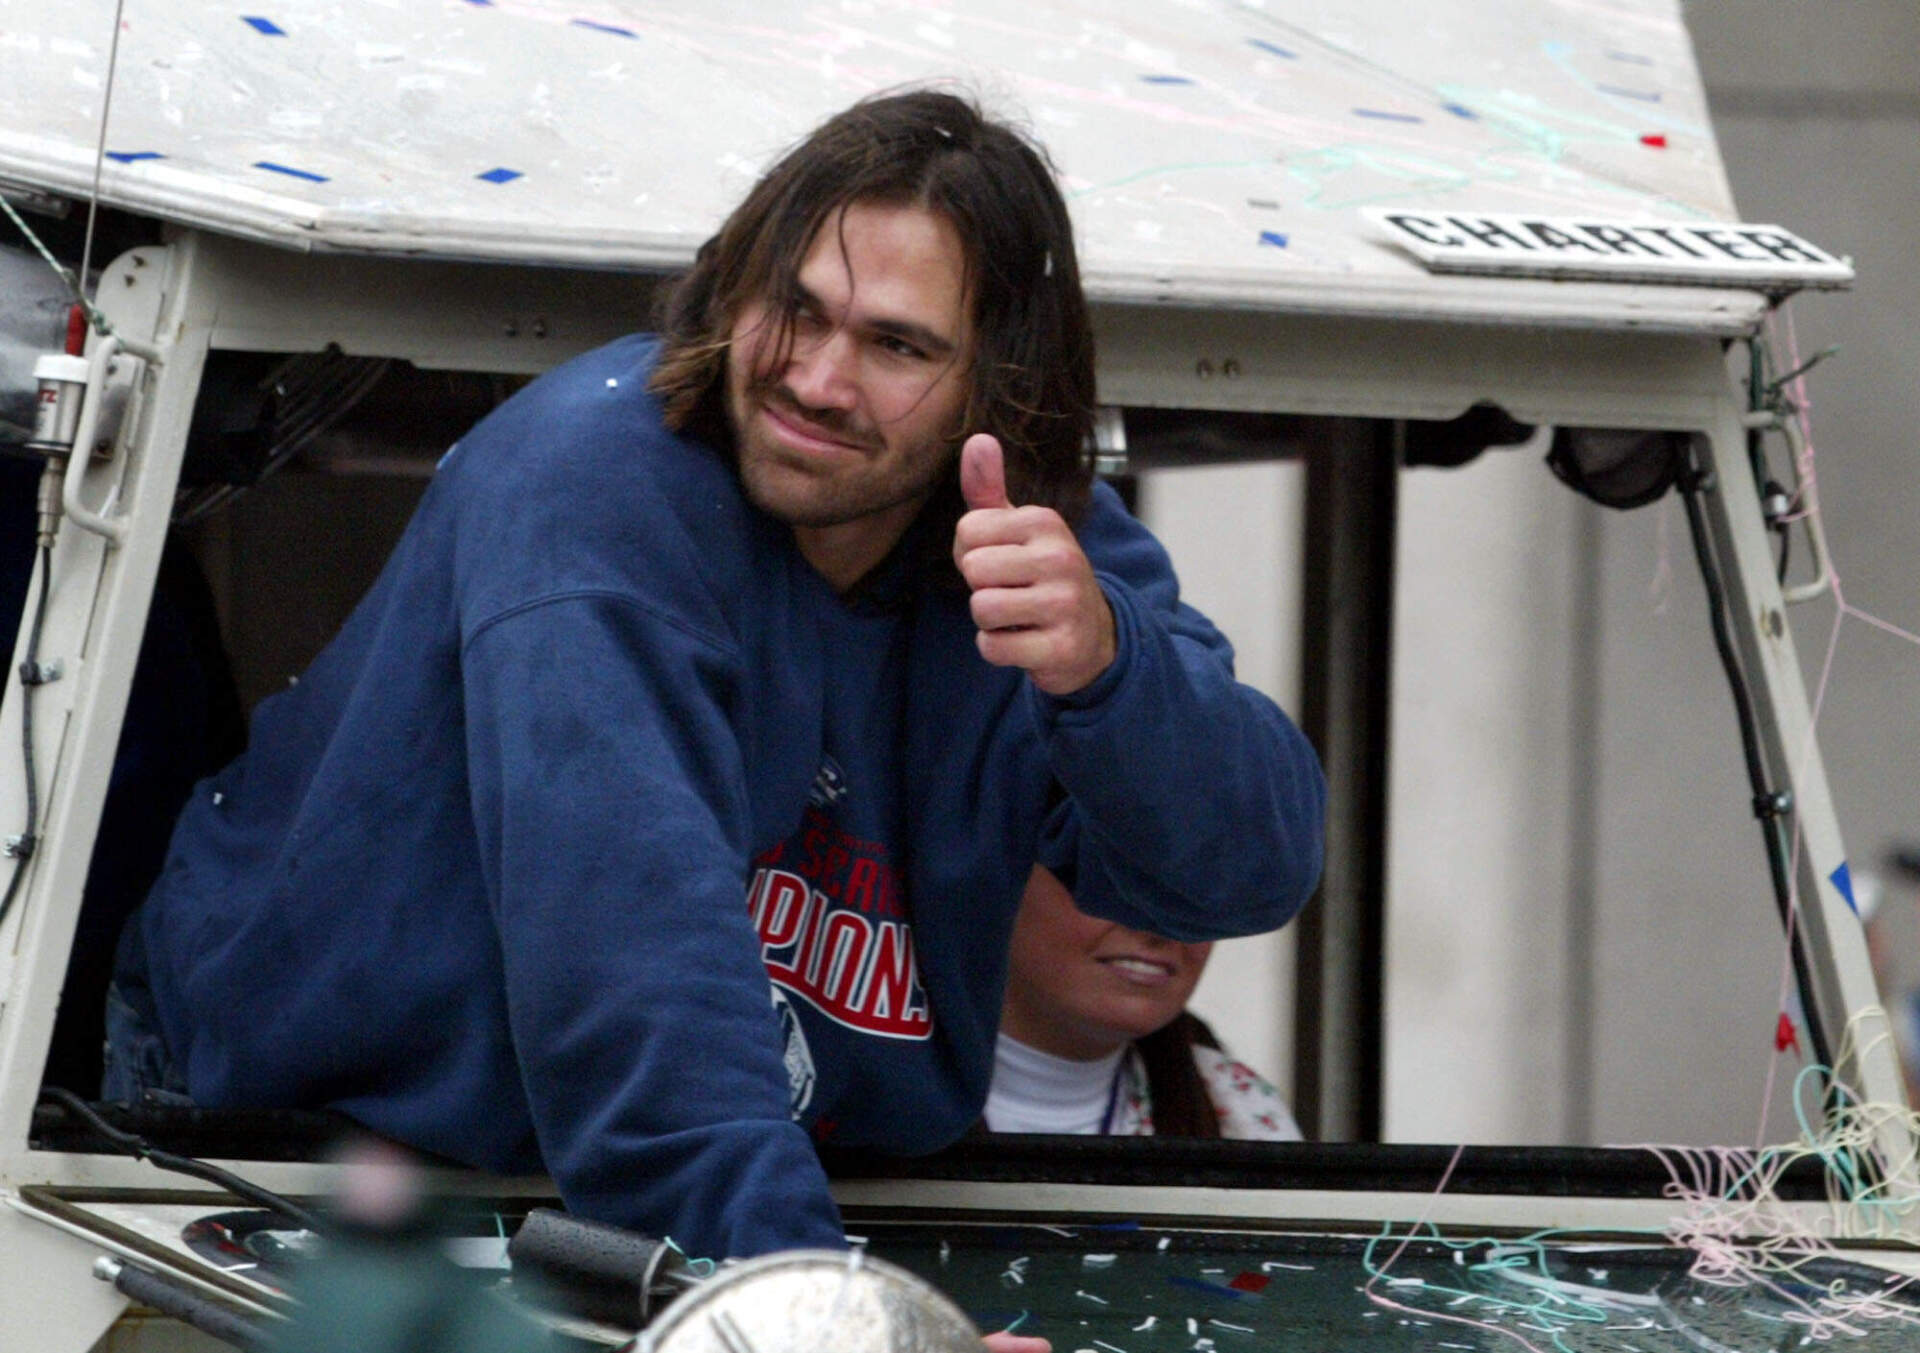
{"x": 1113, "y": 1093}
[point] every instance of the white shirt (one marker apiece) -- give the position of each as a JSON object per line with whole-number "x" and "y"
{"x": 1035, "y": 1091}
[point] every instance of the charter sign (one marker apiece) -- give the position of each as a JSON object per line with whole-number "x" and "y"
{"x": 1706, "y": 253}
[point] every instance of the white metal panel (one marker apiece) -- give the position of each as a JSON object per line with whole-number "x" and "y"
{"x": 1211, "y": 149}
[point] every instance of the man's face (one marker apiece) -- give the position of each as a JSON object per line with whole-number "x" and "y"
{"x": 849, "y": 438}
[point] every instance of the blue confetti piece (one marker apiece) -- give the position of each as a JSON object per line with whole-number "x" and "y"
{"x": 1630, "y": 58}
{"x": 1273, "y": 237}
{"x": 1644, "y": 95}
{"x": 1842, "y": 878}
{"x": 289, "y": 172}
{"x": 1166, "y": 79}
{"x": 1382, "y": 115}
{"x": 1461, "y": 110}
{"x": 501, "y": 175}
{"x": 614, "y": 29}
{"x": 267, "y": 26}
{"x": 1220, "y": 1290}
{"x": 481, "y": 4}
{"x": 1273, "y": 47}
{"x": 130, "y": 156}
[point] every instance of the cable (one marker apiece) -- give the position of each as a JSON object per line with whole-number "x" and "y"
{"x": 141, "y": 1149}
{"x": 21, "y": 847}
{"x": 100, "y": 151}
{"x": 1769, "y": 805}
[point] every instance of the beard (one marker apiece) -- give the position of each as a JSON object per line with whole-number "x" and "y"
{"x": 867, "y": 475}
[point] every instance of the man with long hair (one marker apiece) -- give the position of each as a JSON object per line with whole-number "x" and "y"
{"x": 812, "y": 596}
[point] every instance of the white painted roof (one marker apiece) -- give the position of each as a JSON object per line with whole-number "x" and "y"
{"x": 1213, "y": 151}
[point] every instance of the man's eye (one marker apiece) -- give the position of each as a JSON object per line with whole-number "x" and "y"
{"x": 899, "y": 347}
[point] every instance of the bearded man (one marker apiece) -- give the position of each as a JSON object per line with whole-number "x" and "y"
{"x": 669, "y": 798}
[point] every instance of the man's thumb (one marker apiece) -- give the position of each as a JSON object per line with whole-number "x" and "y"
{"x": 983, "y": 472}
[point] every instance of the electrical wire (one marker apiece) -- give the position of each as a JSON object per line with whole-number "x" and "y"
{"x": 1770, "y": 806}
{"x": 138, "y": 1147}
{"x": 22, "y": 847}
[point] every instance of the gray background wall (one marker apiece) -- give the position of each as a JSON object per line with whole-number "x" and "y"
{"x": 1582, "y": 943}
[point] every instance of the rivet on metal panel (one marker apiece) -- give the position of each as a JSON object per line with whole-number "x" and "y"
{"x": 513, "y": 328}
{"x": 1776, "y": 624}
{"x": 1203, "y": 369}
{"x": 1230, "y": 368}
{"x": 540, "y": 328}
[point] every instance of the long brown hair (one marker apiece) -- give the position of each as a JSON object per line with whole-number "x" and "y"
{"x": 1181, "y": 1105}
{"x": 1032, "y": 378}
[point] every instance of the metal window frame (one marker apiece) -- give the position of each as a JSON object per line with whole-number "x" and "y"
{"x": 201, "y": 292}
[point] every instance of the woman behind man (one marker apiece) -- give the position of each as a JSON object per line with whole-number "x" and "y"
{"x": 1095, "y": 1036}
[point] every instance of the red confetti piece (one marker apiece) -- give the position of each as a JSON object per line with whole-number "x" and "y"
{"x": 1784, "y": 1035}
{"x": 1654, "y": 139}
{"x": 1251, "y": 1282}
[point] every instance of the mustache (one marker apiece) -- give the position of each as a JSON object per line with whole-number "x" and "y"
{"x": 835, "y": 423}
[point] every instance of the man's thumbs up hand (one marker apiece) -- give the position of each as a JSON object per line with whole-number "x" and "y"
{"x": 983, "y": 472}
{"x": 1035, "y": 598}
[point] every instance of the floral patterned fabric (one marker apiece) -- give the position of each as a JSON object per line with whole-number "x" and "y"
{"x": 1250, "y": 1108}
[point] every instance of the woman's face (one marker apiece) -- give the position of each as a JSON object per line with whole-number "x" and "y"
{"x": 1078, "y": 987}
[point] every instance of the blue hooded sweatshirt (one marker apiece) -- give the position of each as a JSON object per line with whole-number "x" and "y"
{"x": 607, "y": 839}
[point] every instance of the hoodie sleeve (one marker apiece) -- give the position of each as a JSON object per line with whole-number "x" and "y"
{"x": 608, "y": 803}
{"x": 1193, "y": 806}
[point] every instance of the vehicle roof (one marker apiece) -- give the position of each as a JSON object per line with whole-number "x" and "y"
{"x": 1213, "y": 152}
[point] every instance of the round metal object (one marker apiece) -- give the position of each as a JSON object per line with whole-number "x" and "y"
{"x": 812, "y": 1301}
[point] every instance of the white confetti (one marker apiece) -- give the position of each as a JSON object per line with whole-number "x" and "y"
{"x": 1088, "y": 1296}
{"x": 1147, "y": 1324}
{"x": 1098, "y": 1260}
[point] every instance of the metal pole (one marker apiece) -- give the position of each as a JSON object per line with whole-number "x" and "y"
{"x": 1352, "y": 492}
